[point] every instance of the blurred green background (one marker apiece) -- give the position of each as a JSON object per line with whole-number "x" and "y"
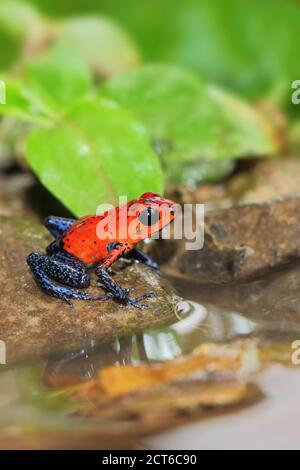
{"x": 230, "y": 98}
{"x": 250, "y": 46}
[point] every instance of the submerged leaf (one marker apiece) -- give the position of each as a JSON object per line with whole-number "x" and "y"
{"x": 154, "y": 395}
{"x": 238, "y": 360}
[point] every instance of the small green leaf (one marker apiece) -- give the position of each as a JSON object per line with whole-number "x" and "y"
{"x": 60, "y": 77}
{"x": 19, "y": 24}
{"x": 104, "y": 45}
{"x": 97, "y": 153}
{"x": 187, "y": 120}
{"x": 51, "y": 83}
{"x": 175, "y": 107}
{"x": 20, "y": 17}
{"x": 205, "y": 171}
{"x": 248, "y": 46}
{"x": 250, "y": 133}
{"x": 85, "y": 150}
{"x": 10, "y": 47}
{"x": 22, "y": 103}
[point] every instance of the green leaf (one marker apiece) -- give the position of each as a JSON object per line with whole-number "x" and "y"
{"x": 250, "y": 133}
{"x": 19, "y": 24}
{"x": 104, "y": 45}
{"x": 250, "y": 46}
{"x": 59, "y": 77}
{"x": 20, "y": 17}
{"x": 85, "y": 150}
{"x": 51, "y": 83}
{"x": 205, "y": 171}
{"x": 95, "y": 154}
{"x": 22, "y": 103}
{"x": 10, "y": 48}
{"x": 174, "y": 106}
{"x": 187, "y": 120}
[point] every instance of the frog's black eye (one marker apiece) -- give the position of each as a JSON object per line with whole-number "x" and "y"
{"x": 149, "y": 216}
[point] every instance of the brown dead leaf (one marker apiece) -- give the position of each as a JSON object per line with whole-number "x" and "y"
{"x": 141, "y": 399}
{"x": 207, "y": 358}
{"x": 168, "y": 405}
{"x": 208, "y": 363}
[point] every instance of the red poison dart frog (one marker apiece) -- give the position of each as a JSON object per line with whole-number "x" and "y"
{"x": 97, "y": 242}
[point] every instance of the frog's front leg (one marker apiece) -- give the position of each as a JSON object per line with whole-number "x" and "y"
{"x": 142, "y": 257}
{"x": 117, "y": 292}
{"x": 58, "y": 225}
{"x": 61, "y": 268}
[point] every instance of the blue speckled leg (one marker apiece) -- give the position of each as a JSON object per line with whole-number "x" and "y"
{"x": 119, "y": 294}
{"x": 142, "y": 257}
{"x": 65, "y": 269}
{"x": 58, "y": 225}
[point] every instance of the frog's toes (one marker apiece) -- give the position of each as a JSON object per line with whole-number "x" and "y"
{"x": 135, "y": 302}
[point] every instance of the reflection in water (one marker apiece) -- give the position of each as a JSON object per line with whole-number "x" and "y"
{"x": 196, "y": 324}
{"x": 191, "y": 315}
{"x": 272, "y": 298}
{"x": 84, "y": 363}
{"x": 224, "y": 325}
{"x": 39, "y": 395}
{"x": 268, "y": 311}
{"x": 161, "y": 346}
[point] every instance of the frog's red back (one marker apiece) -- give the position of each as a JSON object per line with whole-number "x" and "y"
{"x": 91, "y": 237}
{"x": 81, "y": 240}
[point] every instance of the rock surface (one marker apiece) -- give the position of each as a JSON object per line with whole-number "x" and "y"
{"x": 273, "y": 300}
{"x": 242, "y": 242}
{"x": 32, "y": 323}
{"x": 257, "y": 180}
{"x": 269, "y": 179}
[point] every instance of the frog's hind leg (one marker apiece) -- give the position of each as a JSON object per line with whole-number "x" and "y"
{"x": 65, "y": 269}
{"x": 58, "y": 225}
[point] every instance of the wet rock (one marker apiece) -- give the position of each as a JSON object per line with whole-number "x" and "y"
{"x": 242, "y": 242}
{"x": 272, "y": 301}
{"x": 32, "y": 323}
{"x": 13, "y": 189}
{"x": 268, "y": 179}
{"x": 254, "y": 181}
{"x": 203, "y": 193}
{"x": 22, "y": 195}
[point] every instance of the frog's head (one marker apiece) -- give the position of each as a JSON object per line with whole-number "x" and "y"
{"x": 148, "y": 215}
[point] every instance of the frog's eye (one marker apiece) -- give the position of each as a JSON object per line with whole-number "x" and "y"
{"x": 149, "y": 216}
